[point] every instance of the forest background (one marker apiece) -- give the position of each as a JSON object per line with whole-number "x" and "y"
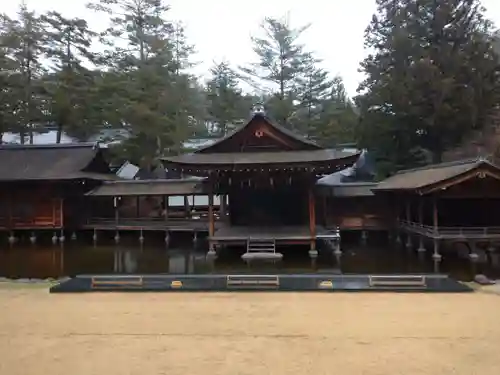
{"x": 431, "y": 92}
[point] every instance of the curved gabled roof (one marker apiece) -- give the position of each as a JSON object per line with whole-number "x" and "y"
{"x": 302, "y": 142}
{"x": 426, "y": 179}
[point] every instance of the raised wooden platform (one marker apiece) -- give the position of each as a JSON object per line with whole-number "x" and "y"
{"x": 173, "y": 225}
{"x": 264, "y": 282}
{"x": 284, "y": 235}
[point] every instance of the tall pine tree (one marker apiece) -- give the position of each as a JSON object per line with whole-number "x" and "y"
{"x": 281, "y": 61}
{"x": 69, "y": 85}
{"x": 431, "y": 81}
{"x": 225, "y": 101}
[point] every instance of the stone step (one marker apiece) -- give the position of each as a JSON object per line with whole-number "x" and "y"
{"x": 261, "y": 246}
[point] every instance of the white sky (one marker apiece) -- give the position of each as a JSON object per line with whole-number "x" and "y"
{"x": 221, "y": 29}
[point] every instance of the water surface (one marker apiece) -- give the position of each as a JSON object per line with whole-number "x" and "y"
{"x": 54, "y": 261}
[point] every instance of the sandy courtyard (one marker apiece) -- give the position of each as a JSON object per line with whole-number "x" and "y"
{"x": 233, "y": 334}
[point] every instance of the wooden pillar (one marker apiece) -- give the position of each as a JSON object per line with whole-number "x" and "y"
{"x": 115, "y": 204}
{"x": 222, "y": 206}
{"x": 312, "y": 218}
{"x": 435, "y": 222}
{"x": 165, "y": 208}
{"x": 62, "y": 238}
{"x": 421, "y": 211}
{"x": 408, "y": 211}
{"x": 421, "y": 248}
{"x": 186, "y": 207}
{"x": 324, "y": 201}
{"x": 10, "y": 202}
{"x": 211, "y": 221}
{"x": 54, "y": 219}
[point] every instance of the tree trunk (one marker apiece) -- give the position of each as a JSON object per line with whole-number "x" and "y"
{"x": 59, "y": 133}
{"x": 22, "y": 134}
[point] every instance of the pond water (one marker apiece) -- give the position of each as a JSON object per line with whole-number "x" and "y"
{"x": 24, "y": 260}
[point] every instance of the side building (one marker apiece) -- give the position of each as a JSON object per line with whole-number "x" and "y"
{"x": 42, "y": 187}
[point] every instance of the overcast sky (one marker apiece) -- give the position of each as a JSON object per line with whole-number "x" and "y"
{"x": 221, "y": 29}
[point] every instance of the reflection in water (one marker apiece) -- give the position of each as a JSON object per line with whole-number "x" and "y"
{"x": 55, "y": 261}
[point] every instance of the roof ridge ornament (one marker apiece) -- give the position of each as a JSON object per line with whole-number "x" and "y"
{"x": 258, "y": 109}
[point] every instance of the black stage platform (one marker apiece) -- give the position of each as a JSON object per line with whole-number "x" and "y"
{"x": 251, "y": 282}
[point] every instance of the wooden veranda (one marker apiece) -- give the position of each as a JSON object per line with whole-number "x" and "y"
{"x": 146, "y": 205}
{"x": 449, "y": 202}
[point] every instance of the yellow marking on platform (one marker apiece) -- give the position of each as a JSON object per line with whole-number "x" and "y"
{"x": 176, "y": 284}
{"x": 326, "y": 284}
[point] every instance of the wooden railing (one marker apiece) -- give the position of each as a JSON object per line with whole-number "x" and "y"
{"x": 358, "y": 223}
{"x": 451, "y": 232}
{"x": 41, "y": 222}
{"x": 148, "y": 223}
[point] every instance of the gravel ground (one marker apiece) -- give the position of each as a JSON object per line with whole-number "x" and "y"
{"x": 248, "y": 333}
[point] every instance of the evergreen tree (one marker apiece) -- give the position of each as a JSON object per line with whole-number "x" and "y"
{"x": 8, "y": 105}
{"x": 432, "y": 80}
{"x": 338, "y": 117}
{"x": 225, "y": 101}
{"x": 313, "y": 86}
{"x": 22, "y": 43}
{"x": 68, "y": 87}
{"x": 282, "y": 60}
{"x": 147, "y": 73}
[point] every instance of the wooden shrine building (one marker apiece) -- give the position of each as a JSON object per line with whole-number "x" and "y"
{"x": 458, "y": 201}
{"x": 43, "y": 186}
{"x": 268, "y": 174}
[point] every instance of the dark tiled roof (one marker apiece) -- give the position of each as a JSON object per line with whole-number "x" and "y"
{"x": 414, "y": 179}
{"x": 306, "y": 142}
{"x": 50, "y": 162}
{"x": 149, "y": 187}
{"x": 265, "y": 158}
